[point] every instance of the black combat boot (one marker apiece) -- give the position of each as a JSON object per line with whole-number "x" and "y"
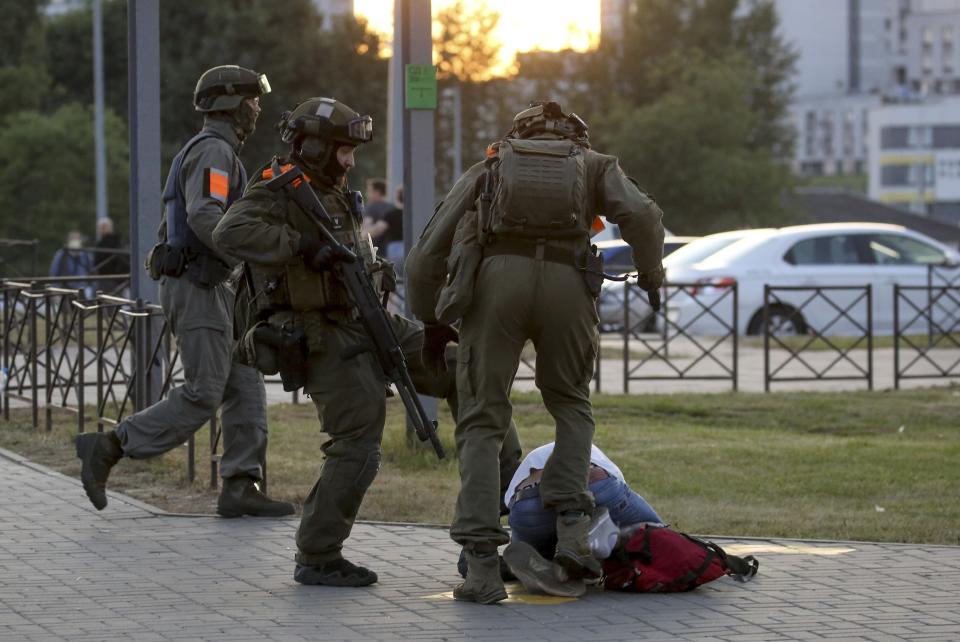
{"x": 99, "y": 452}
{"x": 338, "y": 572}
{"x": 240, "y": 496}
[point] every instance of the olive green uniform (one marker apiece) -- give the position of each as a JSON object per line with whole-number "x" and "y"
{"x": 516, "y": 298}
{"x": 264, "y": 228}
{"x": 201, "y": 321}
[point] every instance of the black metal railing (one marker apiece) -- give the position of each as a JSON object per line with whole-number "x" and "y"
{"x": 19, "y": 258}
{"x": 841, "y": 305}
{"x": 694, "y": 339}
{"x": 58, "y": 344}
{"x": 926, "y": 341}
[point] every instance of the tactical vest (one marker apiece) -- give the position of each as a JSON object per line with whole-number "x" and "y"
{"x": 293, "y": 286}
{"x": 179, "y": 233}
{"x": 539, "y": 189}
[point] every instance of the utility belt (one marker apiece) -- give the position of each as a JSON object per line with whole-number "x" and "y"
{"x": 203, "y": 269}
{"x": 530, "y": 487}
{"x": 589, "y": 262}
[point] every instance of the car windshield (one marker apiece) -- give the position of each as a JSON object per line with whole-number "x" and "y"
{"x": 696, "y": 251}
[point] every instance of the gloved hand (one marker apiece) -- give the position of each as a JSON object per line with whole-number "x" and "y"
{"x": 320, "y": 257}
{"x": 651, "y": 282}
{"x": 436, "y": 336}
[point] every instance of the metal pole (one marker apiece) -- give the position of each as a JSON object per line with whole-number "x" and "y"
{"x": 143, "y": 37}
{"x": 416, "y": 47}
{"x": 626, "y": 337}
{"x": 869, "y": 337}
{"x": 395, "y": 119}
{"x": 98, "y": 133}
{"x": 457, "y": 129}
{"x": 766, "y": 338}
{"x": 896, "y": 336}
{"x": 32, "y": 362}
{"x": 81, "y": 365}
{"x": 736, "y": 337}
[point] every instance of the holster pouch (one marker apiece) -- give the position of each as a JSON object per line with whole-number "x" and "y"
{"x": 207, "y": 271}
{"x": 282, "y": 350}
{"x": 165, "y": 260}
{"x": 463, "y": 264}
{"x": 593, "y": 270}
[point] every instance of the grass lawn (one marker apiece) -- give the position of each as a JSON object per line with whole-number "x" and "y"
{"x": 855, "y": 465}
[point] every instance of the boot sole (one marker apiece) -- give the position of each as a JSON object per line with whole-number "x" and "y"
{"x": 84, "y": 448}
{"x": 335, "y": 580}
{"x": 230, "y": 513}
{"x": 516, "y": 555}
{"x": 487, "y": 598}
{"x": 575, "y": 567}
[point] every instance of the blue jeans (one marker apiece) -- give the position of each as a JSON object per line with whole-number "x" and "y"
{"x": 530, "y": 522}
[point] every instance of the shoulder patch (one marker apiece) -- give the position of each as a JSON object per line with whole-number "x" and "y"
{"x": 216, "y": 184}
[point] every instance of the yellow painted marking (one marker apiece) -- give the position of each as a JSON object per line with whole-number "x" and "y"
{"x": 905, "y": 159}
{"x": 905, "y": 197}
{"x": 753, "y": 549}
{"x": 517, "y": 595}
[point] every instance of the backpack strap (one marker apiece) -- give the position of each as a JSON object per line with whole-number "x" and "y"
{"x": 743, "y": 569}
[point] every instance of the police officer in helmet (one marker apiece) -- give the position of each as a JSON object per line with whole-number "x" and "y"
{"x": 517, "y": 228}
{"x": 297, "y": 293}
{"x": 197, "y": 299}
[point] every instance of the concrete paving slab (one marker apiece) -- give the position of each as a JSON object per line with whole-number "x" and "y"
{"x": 134, "y": 572}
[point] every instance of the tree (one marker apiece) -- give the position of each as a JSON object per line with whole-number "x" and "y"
{"x": 47, "y": 182}
{"x": 688, "y": 148}
{"x": 694, "y": 100}
{"x": 287, "y": 43}
{"x": 22, "y": 46}
{"x": 465, "y": 51}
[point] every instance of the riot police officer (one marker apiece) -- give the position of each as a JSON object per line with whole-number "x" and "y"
{"x": 197, "y": 299}
{"x": 296, "y": 293}
{"x": 508, "y": 252}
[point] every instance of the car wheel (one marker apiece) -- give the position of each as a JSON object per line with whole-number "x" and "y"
{"x": 784, "y": 320}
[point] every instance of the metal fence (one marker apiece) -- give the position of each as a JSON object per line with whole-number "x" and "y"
{"x": 702, "y": 357}
{"x": 820, "y": 353}
{"x": 926, "y": 342}
{"x": 60, "y": 345}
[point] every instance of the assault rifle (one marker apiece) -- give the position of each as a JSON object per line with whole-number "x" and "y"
{"x": 354, "y": 277}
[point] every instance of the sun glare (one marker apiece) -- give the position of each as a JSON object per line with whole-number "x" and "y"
{"x": 525, "y": 25}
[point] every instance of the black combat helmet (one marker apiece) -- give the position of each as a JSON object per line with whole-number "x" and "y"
{"x": 546, "y": 116}
{"x": 223, "y": 88}
{"x": 317, "y": 126}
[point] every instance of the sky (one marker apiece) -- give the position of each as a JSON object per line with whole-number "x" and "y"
{"x": 524, "y": 25}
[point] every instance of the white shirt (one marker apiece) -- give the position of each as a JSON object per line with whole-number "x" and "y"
{"x": 537, "y": 459}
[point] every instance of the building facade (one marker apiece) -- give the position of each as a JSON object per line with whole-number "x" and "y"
{"x": 855, "y": 55}
{"x": 916, "y": 163}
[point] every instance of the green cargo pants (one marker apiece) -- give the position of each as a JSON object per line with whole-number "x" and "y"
{"x": 516, "y": 299}
{"x": 201, "y": 321}
{"x": 350, "y": 400}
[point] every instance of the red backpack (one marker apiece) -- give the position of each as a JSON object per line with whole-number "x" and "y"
{"x": 658, "y": 560}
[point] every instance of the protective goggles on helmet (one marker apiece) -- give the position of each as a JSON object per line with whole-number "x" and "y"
{"x": 258, "y": 88}
{"x": 355, "y": 132}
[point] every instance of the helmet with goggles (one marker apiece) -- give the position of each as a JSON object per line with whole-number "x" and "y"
{"x": 224, "y": 88}
{"x": 317, "y": 126}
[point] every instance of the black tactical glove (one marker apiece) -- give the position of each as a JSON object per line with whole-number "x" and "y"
{"x": 320, "y": 257}
{"x": 651, "y": 282}
{"x": 436, "y": 336}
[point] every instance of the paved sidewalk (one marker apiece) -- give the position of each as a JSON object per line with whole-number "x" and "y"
{"x": 132, "y": 572}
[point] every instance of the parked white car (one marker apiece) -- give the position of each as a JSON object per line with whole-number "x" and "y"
{"x": 836, "y": 254}
{"x": 610, "y": 302}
